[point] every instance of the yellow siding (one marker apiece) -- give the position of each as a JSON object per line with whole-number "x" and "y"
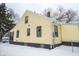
{"x": 66, "y": 32}
{"x": 33, "y": 22}
{"x": 70, "y": 32}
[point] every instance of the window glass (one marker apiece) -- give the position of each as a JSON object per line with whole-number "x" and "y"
{"x": 26, "y": 19}
{"x": 55, "y": 31}
{"x": 38, "y": 31}
{"x": 17, "y": 33}
{"x": 28, "y": 31}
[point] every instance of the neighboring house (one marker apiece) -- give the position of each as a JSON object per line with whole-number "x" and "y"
{"x": 40, "y": 31}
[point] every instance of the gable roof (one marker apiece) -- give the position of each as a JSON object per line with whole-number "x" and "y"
{"x": 51, "y": 20}
{"x": 43, "y": 16}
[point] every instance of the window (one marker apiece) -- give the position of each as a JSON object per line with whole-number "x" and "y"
{"x": 38, "y": 31}
{"x": 26, "y": 19}
{"x": 55, "y": 31}
{"x": 28, "y": 31}
{"x": 17, "y": 33}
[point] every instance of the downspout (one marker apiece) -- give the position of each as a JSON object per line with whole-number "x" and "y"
{"x": 61, "y": 33}
{"x": 53, "y": 37}
{"x": 52, "y": 40}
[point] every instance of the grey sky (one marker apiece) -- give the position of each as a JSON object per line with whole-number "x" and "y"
{"x": 21, "y": 7}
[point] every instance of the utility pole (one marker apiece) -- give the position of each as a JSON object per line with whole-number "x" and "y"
{"x": 72, "y": 45}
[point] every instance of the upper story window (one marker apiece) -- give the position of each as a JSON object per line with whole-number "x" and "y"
{"x": 55, "y": 31}
{"x": 26, "y": 19}
{"x": 38, "y": 31}
{"x": 28, "y": 31}
{"x": 17, "y": 34}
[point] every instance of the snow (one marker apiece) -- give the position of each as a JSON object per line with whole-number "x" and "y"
{"x": 7, "y": 49}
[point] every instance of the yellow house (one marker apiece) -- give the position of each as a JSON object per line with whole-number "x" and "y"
{"x": 40, "y": 31}
{"x": 36, "y": 30}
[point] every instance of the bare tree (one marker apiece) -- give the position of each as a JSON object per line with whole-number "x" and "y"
{"x": 59, "y": 14}
{"x": 70, "y": 15}
{"x": 65, "y": 15}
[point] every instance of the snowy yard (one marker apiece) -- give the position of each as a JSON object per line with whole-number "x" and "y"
{"x": 19, "y": 50}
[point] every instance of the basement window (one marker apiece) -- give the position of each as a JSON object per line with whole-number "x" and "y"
{"x": 38, "y": 31}
{"x": 17, "y": 34}
{"x": 26, "y": 19}
{"x": 28, "y": 31}
{"x": 55, "y": 31}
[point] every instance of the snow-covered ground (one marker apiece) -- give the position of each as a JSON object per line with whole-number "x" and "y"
{"x": 7, "y": 49}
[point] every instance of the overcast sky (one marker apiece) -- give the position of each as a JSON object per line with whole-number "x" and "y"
{"x": 21, "y": 7}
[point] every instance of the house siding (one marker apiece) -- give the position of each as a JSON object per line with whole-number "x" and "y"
{"x": 67, "y": 33}
{"x": 70, "y": 33}
{"x": 33, "y": 22}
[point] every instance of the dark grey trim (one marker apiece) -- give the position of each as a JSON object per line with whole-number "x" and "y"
{"x": 47, "y": 46}
{"x": 69, "y": 43}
